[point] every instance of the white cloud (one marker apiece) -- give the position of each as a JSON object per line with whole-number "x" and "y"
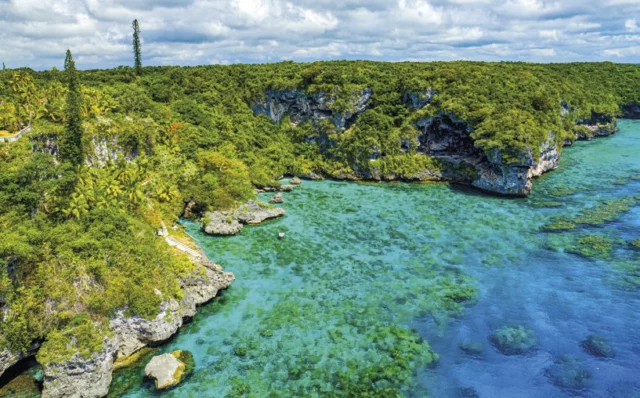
{"x": 37, "y": 32}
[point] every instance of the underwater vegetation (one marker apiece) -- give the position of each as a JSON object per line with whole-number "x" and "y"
{"x": 513, "y": 340}
{"x": 606, "y": 211}
{"x": 593, "y": 246}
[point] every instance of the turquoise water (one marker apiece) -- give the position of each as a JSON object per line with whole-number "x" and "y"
{"x": 369, "y": 273}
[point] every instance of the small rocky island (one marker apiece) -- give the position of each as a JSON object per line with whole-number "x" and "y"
{"x": 169, "y": 370}
{"x": 231, "y": 222}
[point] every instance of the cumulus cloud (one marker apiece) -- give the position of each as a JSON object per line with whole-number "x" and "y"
{"x": 36, "y": 33}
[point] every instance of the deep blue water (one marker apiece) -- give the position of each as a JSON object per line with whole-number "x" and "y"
{"x": 359, "y": 259}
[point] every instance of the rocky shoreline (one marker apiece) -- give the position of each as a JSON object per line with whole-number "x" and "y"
{"x": 82, "y": 377}
{"x": 443, "y": 137}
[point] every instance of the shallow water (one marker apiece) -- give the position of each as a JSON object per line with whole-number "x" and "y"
{"x": 366, "y": 270}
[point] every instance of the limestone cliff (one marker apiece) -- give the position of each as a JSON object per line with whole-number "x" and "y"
{"x": 442, "y": 137}
{"x": 301, "y": 106}
{"x": 91, "y": 377}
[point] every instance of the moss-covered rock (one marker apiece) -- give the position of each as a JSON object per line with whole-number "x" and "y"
{"x": 473, "y": 348}
{"x": 513, "y": 340}
{"x": 598, "y": 347}
{"x": 568, "y": 373}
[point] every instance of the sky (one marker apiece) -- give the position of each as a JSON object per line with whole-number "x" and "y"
{"x": 36, "y": 33}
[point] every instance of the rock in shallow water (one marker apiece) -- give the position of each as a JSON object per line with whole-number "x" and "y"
{"x": 473, "y": 348}
{"x": 598, "y": 347}
{"x": 513, "y": 340}
{"x": 277, "y": 198}
{"x": 255, "y": 212}
{"x": 287, "y": 188}
{"x": 568, "y": 373}
{"x": 221, "y": 223}
{"x": 169, "y": 370}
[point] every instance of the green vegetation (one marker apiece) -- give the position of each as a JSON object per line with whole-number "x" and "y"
{"x": 606, "y": 211}
{"x": 70, "y": 146}
{"x": 80, "y": 337}
{"x": 593, "y": 246}
{"x": 77, "y": 237}
{"x": 137, "y": 52}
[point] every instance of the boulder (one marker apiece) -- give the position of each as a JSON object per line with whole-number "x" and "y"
{"x": 221, "y": 223}
{"x": 295, "y": 181}
{"x": 277, "y": 198}
{"x": 255, "y": 212}
{"x": 513, "y": 340}
{"x": 81, "y": 377}
{"x": 598, "y": 347}
{"x": 287, "y": 188}
{"x": 568, "y": 373}
{"x": 472, "y": 348}
{"x": 169, "y": 370}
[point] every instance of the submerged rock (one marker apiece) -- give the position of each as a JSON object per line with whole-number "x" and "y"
{"x": 513, "y": 340}
{"x": 255, "y": 212}
{"x": 277, "y": 198}
{"x": 221, "y": 223}
{"x": 568, "y": 373}
{"x": 467, "y": 392}
{"x": 169, "y": 370}
{"x": 598, "y": 347}
{"x": 473, "y": 348}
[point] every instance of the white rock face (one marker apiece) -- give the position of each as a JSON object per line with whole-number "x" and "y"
{"x": 80, "y": 377}
{"x": 165, "y": 370}
{"x": 231, "y": 222}
{"x": 255, "y": 212}
{"x": 200, "y": 287}
{"x": 136, "y": 332}
{"x": 221, "y": 223}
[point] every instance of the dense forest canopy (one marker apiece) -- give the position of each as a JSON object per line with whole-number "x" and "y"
{"x": 77, "y": 242}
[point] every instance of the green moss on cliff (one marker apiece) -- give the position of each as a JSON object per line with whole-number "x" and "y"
{"x": 82, "y": 337}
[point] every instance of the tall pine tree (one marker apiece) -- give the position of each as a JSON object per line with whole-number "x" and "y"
{"x": 137, "y": 52}
{"x": 70, "y": 145}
